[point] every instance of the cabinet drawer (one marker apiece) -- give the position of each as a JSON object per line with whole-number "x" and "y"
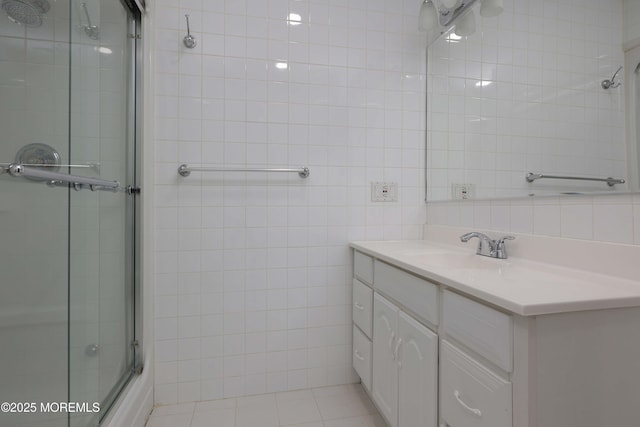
{"x": 363, "y": 267}
{"x": 363, "y": 307}
{"x": 470, "y": 394}
{"x": 482, "y": 329}
{"x": 362, "y": 357}
{"x": 416, "y": 294}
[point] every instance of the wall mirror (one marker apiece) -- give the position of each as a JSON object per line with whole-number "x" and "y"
{"x": 547, "y": 88}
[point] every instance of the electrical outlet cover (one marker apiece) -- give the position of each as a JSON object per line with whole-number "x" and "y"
{"x": 384, "y": 191}
{"x": 461, "y": 191}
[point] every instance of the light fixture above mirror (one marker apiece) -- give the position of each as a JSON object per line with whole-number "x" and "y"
{"x": 440, "y": 15}
{"x": 491, "y": 8}
{"x": 428, "y": 19}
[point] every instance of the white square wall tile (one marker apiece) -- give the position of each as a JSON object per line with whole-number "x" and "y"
{"x": 613, "y": 223}
{"x": 482, "y": 215}
{"x": 577, "y": 221}
{"x": 189, "y": 392}
{"x": 166, "y": 394}
{"x": 500, "y": 216}
{"x": 166, "y": 351}
{"x": 547, "y": 219}
{"x": 521, "y": 216}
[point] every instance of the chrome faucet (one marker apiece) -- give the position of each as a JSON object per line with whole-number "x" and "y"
{"x": 487, "y": 246}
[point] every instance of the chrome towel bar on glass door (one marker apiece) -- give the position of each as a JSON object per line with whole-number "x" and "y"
{"x": 52, "y": 165}
{"x": 610, "y": 181}
{"x": 18, "y": 170}
{"x": 185, "y": 170}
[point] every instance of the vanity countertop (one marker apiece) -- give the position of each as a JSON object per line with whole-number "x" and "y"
{"x": 518, "y": 285}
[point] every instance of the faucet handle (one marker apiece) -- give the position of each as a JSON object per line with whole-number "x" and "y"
{"x": 501, "y": 251}
{"x": 501, "y": 241}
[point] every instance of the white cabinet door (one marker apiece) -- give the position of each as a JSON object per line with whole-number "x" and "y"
{"x": 385, "y": 369}
{"x": 418, "y": 369}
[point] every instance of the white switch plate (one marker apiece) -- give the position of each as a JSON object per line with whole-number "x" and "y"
{"x": 384, "y": 191}
{"x": 463, "y": 191}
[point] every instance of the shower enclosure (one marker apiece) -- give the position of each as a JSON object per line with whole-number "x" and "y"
{"x": 632, "y": 93}
{"x": 68, "y": 295}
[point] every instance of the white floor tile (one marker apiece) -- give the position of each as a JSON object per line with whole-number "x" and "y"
{"x": 361, "y": 421}
{"x": 259, "y": 415}
{"x": 294, "y": 395}
{"x": 183, "y": 408}
{"x": 336, "y": 406}
{"x": 171, "y": 420}
{"x": 337, "y": 390}
{"x": 215, "y": 418}
{"x": 318, "y": 424}
{"x": 213, "y": 405}
{"x": 257, "y": 400}
{"x": 298, "y": 411}
{"x": 345, "y": 405}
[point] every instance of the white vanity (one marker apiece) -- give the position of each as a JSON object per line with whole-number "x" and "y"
{"x": 547, "y": 338}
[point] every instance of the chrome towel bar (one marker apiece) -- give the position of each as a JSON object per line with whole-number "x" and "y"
{"x": 53, "y": 165}
{"x": 609, "y": 180}
{"x": 54, "y": 178}
{"x": 185, "y": 170}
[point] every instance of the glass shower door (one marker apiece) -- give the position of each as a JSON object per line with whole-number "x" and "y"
{"x": 101, "y": 234}
{"x": 34, "y": 99}
{"x": 67, "y": 260}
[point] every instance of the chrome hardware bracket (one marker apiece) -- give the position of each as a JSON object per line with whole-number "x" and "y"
{"x": 133, "y": 191}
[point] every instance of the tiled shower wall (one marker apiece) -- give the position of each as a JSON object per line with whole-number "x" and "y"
{"x": 252, "y": 284}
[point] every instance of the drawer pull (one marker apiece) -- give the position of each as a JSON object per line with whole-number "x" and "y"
{"x": 474, "y": 411}
{"x": 358, "y": 356}
{"x": 358, "y": 306}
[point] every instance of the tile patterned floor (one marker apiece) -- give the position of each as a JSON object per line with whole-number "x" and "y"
{"x": 339, "y": 406}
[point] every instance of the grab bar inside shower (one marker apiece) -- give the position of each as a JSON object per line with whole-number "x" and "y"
{"x": 185, "y": 170}
{"x": 609, "y": 180}
{"x": 56, "y": 178}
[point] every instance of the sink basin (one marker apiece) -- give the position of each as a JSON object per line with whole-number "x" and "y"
{"x": 463, "y": 261}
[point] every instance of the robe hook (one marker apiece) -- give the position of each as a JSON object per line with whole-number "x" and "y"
{"x": 611, "y": 84}
{"x": 189, "y": 41}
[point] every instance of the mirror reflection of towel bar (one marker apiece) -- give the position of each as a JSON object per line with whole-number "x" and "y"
{"x": 609, "y": 180}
